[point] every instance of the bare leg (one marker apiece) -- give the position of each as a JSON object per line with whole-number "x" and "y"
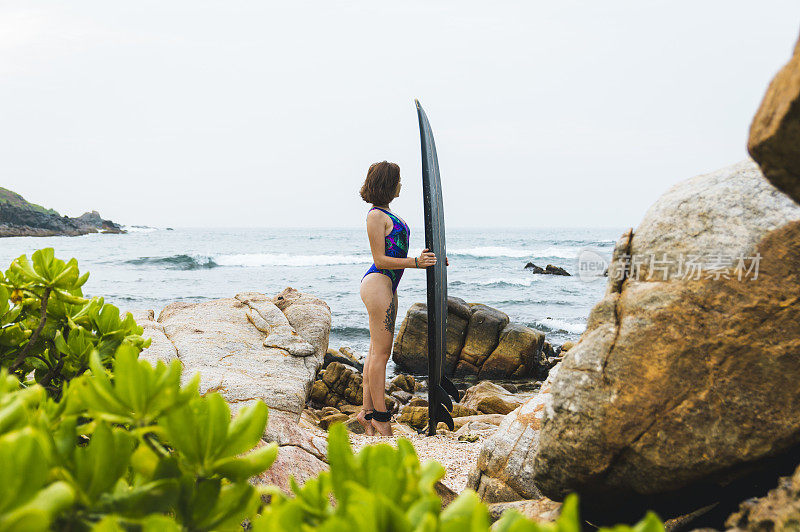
{"x": 369, "y": 430}
{"x": 381, "y": 303}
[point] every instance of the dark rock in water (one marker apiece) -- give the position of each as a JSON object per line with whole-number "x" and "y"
{"x": 555, "y": 270}
{"x": 93, "y": 219}
{"x": 21, "y": 218}
{"x": 534, "y": 268}
{"x": 547, "y": 270}
{"x": 548, "y": 350}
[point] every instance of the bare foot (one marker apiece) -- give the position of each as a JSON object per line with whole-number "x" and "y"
{"x": 383, "y": 428}
{"x": 369, "y": 430}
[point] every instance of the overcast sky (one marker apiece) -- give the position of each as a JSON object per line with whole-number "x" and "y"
{"x": 254, "y": 113}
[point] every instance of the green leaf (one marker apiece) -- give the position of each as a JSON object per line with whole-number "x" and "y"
{"x": 246, "y": 429}
{"x": 568, "y": 520}
{"x": 465, "y": 513}
{"x": 39, "y": 513}
{"x": 100, "y": 464}
{"x": 248, "y": 465}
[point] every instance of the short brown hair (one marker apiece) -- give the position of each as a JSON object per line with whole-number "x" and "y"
{"x": 381, "y": 183}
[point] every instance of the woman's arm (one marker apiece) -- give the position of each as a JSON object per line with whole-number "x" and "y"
{"x": 376, "y": 230}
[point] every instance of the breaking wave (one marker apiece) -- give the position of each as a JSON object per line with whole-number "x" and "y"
{"x": 561, "y": 252}
{"x": 554, "y": 325}
{"x": 176, "y": 262}
{"x": 286, "y": 259}
{"x": 199, "y": 262}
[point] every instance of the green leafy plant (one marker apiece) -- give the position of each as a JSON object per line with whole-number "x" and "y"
{"x": 49, "y": 329}
{"x": 130, "y": 449}
{"x": 386, "y": 488}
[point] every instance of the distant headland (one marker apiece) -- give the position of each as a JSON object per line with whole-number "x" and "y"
{"x": 19, "y": 217}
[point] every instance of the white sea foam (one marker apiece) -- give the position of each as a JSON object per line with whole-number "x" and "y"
{"x": 286, "y": 259}
{"x": 506, "y": 281}
{"x": 561, "y": 252}
{"x": 562, "y": 325}
{"x": 490, "y": 251}
{"x": 139, "y": 228}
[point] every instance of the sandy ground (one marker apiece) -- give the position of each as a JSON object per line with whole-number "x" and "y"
{"x": 457, "y": 457}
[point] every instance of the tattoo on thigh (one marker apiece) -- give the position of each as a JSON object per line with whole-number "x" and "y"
{"x": 391, "y": 314}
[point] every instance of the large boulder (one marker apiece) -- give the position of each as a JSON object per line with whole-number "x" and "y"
{"x": 410, "y": 349}
{"x": 518, "y": 347}
{"x": 483, "y": 334}
{"x": 480, "y": 341}
{"x": 490, "y": 398}
{"x": 253, "y": 347}
{"x": 224, "y": 340}
{"x": 686, "y": 376}
{"x": 775, "y": 132}
{"x": 160, "y": 346}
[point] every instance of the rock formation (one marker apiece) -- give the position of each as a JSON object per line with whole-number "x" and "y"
{"x": 775, "y": 132}
{"x": 490, "y": 398}
{"x": 338, "y": 385}
{"x": 253, "y": 347}
{"x": 504, "y": 471}
{"x": 18, "y": 217}
{"x": 547, "y": 270}
{"x": 685, "y": 378}
{"x": 417, "y": 416}
{"x": 687, "y": 372}
{"x": 480, "y": 341}
{"x": 778, "y": 510}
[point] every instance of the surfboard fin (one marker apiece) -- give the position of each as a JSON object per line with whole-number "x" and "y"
{"x": 444, "y": 416}
{"x": 451, "y": 389}
{"x": 443, "y": 398}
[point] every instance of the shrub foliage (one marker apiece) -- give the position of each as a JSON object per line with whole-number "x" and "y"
{"x": 48, "y": 329}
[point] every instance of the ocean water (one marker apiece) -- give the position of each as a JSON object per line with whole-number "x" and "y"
{"x": 149, "y": 268}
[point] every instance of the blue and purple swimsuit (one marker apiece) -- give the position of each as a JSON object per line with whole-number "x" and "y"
{"x": 396, "y": 246}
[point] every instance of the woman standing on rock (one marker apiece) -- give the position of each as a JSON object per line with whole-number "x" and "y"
{"x": 388, "y": 240}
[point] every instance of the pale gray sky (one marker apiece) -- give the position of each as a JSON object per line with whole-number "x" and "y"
{"x": 253, "y": 113}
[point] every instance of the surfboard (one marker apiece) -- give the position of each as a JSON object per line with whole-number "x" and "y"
{"x": 440, "y": 388}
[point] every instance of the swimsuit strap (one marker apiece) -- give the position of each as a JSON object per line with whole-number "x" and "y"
{"x": 391, "y": 214}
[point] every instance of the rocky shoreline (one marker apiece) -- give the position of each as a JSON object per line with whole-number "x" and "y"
{"x": 19, "y": 217}
{"x": 679, "y": 397}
